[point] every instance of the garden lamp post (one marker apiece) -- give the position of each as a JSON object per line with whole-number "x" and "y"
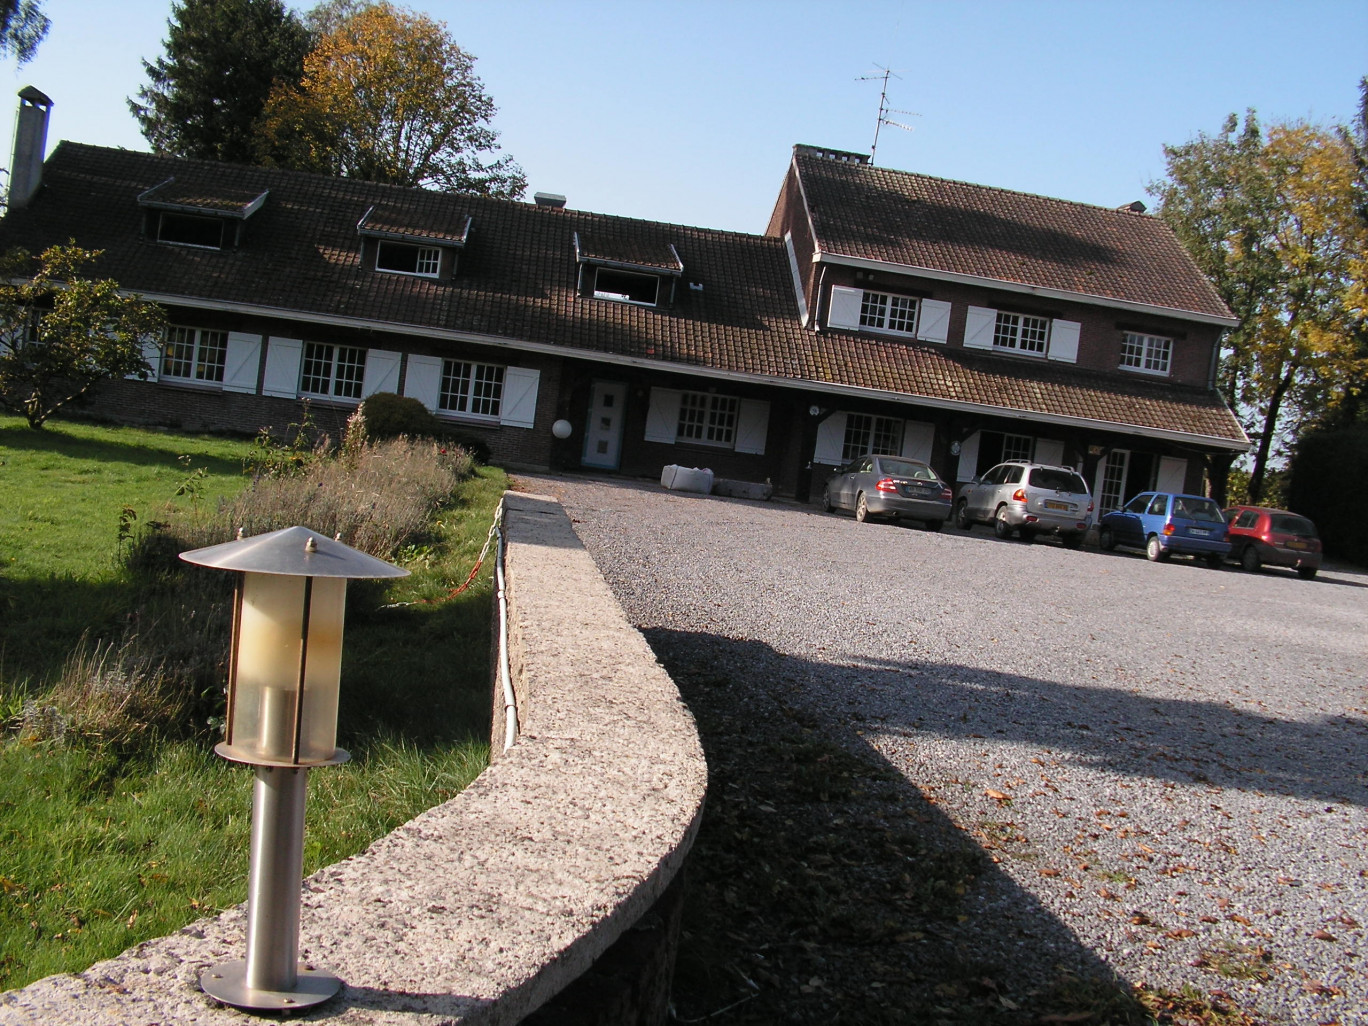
{"x": 284, "y": 667}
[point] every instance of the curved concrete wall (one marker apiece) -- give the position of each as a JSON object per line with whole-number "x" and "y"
{"x": 479, "y": 910}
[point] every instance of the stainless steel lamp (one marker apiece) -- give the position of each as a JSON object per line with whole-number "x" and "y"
{"x": 284, "y": 668}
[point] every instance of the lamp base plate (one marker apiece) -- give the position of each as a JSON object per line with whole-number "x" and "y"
{"x": 228, "y": 983}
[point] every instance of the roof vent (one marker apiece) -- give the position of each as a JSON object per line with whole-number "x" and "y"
{"x": 1135, "y": 208}
{"x": 549, "y": 199}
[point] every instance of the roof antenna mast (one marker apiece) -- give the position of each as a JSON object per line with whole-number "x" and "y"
{"x": 884, "y": 108}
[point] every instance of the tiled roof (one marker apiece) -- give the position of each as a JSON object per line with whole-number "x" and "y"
{"x": 629, "y": 246}
{"x": 517, "y": 283}
{"x": 208, "y": 196}
{"x": 409, "y": 220}
{"x": 874, "y": 213}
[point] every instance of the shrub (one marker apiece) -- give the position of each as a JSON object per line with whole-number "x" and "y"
{"x": 1329, "y": 484}
{"x": 388, "y": 415}
{"x": 477, "y": 447}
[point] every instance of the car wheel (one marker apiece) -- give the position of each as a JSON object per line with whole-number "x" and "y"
{"x": 1106, "y": 539}
{"x": 1072, "y": 541}
{"x": 861, "y": 508}
{"x": 1154, "y": 552}
{"x": 1306, "y": 572}
{"x": 935, "y": 525}
{"x": 1001, "y": 527}
{"x": 962, "y": 520}
{"x": 826, "y": 501}
{"x": 1215, "y": 560}
{"x": 1249, "y": 559}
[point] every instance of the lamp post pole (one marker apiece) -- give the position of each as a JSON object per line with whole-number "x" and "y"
{"x": 283, "y": 677}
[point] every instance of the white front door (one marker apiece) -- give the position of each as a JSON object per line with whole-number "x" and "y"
{"x": 603, "y": 433}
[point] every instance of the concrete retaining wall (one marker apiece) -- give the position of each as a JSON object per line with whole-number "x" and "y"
{"x": 484, "y": 908}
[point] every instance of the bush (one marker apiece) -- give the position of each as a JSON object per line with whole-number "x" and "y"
{"x": 1329, "y": 484}
{"x": 477, "y": 447}
{"x": 388, "y": 415}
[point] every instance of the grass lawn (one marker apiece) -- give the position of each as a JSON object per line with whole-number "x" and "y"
{"x": 103, "y": 847}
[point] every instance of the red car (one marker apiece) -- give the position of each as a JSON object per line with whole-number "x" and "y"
{"x": 1274, "y": 537}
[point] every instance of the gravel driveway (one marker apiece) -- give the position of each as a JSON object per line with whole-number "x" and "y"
{"x": 1164, "y": 763}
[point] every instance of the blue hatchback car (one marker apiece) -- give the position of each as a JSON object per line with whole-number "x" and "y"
{"x": 1164, "y": 523}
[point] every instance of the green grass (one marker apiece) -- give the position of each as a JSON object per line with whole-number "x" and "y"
{"x": 105, "y": 845}
{"x": 64, "y": 489}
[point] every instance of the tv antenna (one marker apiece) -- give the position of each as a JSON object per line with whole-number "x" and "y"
{"x": 884, "y": 108}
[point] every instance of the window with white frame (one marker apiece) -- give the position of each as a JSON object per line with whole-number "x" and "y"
{"x": 1017, "y": 447}
{"x": 626, "y": 286}
{"x": 866, "y": 433}
{"x": 333, "y": 371}
{"x": 1021, "y": 332}
{"x": 888, "y": 312}
{"x": 406, "y": 258}
{"x": 194, "y": 354}
{"x": 475, "y": 389}
{"x": 707, "y": 418}
{"x": 190, "y": 230}
{"x": 1148, "y": 354}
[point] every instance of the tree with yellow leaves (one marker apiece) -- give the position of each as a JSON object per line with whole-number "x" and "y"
{"x": 1273, "y": 221}
{"x": 388, "y": 96}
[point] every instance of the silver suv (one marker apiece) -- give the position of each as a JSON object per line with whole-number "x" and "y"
{"x": 1029, "y": 498}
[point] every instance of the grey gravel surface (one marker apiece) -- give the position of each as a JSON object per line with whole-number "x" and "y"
{"x": 1167, "y": 764}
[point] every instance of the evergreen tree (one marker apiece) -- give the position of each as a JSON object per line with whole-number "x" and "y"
{"x": 223, "y": 57}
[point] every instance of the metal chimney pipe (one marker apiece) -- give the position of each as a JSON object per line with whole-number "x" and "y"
{"x": 30, "y": 144}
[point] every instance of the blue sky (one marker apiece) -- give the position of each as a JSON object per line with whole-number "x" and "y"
{"x": 687, "y": 111}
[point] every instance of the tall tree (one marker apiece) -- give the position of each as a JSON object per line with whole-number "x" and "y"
{"x": 223, "y": 57}
{"x": 23, "y": 25}
{"x": 388, "y": 96}
{"x": 1272, "y": 221}
{"x": 61, "y": 331}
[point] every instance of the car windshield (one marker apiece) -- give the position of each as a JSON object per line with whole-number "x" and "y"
{"x": 1192, "y": 508}
{"x": 1290, "y": 523}
{"x": 907, "y": 468}
{"x": 1057, "y": 480}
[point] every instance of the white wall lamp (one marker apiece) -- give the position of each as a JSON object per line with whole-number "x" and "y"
{"x": 284, "y": 670}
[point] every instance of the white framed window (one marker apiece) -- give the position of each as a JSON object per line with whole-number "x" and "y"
{"x": 194, "y": 354}
{"x": 885, "y": 311}
{"x": 475, "y": 389}
{"x": 1017, "y": 447}
{"x": 707, "y": 418}
{"x": 332, "y": 371}
{"x": 1021, "y": 332}
{"x": 406, "y": 258}
{"x": 190, "y": 230}
{"x": 1149, "y": 354}
{"x": 867, "y": 433}
{"x": 626, "y": 286}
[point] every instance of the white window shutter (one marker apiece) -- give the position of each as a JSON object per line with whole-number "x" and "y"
{"x": 1172, "y": 474}
{"x": 917, "y": 438}
{"x": 423, "y": 380}
{"x": 1048, "y": 450}
{"x": 242, "y": 362}
{"x": 830, "y": 447}
{"x": 518, "y": 407}
{"x": 382, "y": 372}
{"x": 752, "y": 426}
{"x": 662, "y": 417}
{"x": 968, "y": 463}
{"x": 845, "y": 307}
{"x": 283, "y": 357}
{"x": 1064, "y": 341}
{"x": 152, "y": 353}
{"x": 979, "y": 325}
{"x": 933, "y": 322}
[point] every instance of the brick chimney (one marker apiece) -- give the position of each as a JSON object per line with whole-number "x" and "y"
{"x": 30, "y": 143}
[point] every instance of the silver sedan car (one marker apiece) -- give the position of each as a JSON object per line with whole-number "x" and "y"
{"x": 889, "y": 486}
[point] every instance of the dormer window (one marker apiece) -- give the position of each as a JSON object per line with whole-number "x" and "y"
{"x": 405, "y": 258}
{"x": 626, "y": 286}
{"x": 204, "y": 214}
{"x": 627, "y": 270}
{"x": 402, "y": 239}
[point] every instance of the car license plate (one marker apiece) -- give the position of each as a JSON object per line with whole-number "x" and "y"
{"x": 1056, "y": 504}
{"x": 1298, "y": 545}
{"x": 1200, "y": 532}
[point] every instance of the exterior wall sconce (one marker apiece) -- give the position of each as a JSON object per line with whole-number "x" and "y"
{"x": 284, "y": 669}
